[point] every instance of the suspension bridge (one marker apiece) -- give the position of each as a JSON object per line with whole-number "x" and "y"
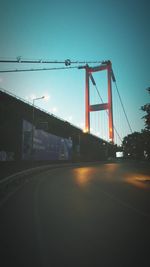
{"x": 104, "y": 108}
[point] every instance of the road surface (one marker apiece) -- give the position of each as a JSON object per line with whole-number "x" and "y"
{"x": 96, "y": 215}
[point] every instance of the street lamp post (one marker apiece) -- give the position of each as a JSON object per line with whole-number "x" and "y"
{"x": 34, "y": 99}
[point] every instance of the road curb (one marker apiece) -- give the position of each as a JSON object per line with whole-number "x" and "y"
{"x": 12, "y": 183}
{"x": 33, "y": 170}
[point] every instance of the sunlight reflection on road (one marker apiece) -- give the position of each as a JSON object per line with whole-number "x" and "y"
{"x": 110, "y": 173}
{"x": 139, "y": 180}
{"x": 83, "y": 175}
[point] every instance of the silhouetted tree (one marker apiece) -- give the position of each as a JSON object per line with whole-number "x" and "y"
{"x": 146, "y": 131}
{"x": 146, "y": 143}
{"x": 137, "y": 145}
{"x": 133, "y": 146}
{"x": 146, "y": 108}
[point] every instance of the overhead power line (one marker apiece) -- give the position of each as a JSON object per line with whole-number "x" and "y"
{"x": 38, "y": 69}
{"x": 67, "y": 62}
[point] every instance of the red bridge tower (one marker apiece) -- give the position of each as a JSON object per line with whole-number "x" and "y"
{"x": 106, "y": 65}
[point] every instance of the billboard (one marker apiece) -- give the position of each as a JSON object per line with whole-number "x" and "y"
{"x": 46, "y": 146}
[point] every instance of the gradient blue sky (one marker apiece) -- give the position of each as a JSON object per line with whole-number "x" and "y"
{"x": 78, "y": 30}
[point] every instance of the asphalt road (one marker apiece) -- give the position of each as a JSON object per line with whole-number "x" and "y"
{"x": 79, "y": 216}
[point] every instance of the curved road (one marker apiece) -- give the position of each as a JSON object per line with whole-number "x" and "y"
{"x": 96, "y": 215}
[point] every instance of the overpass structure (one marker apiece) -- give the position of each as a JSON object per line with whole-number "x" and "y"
{"x": 54, "y": 138}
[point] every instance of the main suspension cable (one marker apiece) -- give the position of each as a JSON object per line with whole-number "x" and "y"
{"x": 107, "y": 111}
{"x": 123, "y": 108}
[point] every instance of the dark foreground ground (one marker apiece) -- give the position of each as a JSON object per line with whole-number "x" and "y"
{"x": 78, "y": 216}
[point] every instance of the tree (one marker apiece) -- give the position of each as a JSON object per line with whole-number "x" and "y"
{"x": 146, "y": 108}
{"x": 133, "y": 146}
{"x": 146, "y": 143}
{"x": 146, "y": 131}
{"x": 137, "y": 145}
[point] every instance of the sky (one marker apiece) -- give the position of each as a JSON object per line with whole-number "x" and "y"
{"x": 85, "y": 30}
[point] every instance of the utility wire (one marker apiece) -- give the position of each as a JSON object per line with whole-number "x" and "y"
{"x": 67, "y": 62}
{"x": 123, "y": 108}
{"x": 38, "y": 69}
